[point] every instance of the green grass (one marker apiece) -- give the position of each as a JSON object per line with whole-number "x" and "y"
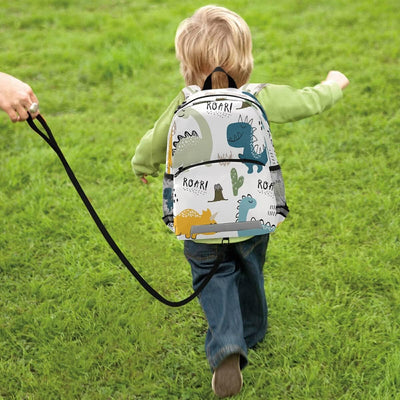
{"x": 75, "y": 325}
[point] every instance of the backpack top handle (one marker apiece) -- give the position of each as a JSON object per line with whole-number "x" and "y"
{"x": 208, "y": 81}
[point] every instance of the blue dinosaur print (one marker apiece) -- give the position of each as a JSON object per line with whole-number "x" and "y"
{"x": 246, "y": 203}
{"x": 240, "y": 134}
{"x": 254, "y": 232}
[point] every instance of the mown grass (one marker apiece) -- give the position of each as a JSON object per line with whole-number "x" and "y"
{"x": 75, "y": 325}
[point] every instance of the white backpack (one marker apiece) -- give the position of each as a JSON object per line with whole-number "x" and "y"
{"x": 222, "y": 176}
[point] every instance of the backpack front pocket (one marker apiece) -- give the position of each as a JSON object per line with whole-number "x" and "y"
{"x": 220, "y": 199}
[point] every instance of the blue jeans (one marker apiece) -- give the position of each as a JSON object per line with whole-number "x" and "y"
{"x": 234, "y": 300}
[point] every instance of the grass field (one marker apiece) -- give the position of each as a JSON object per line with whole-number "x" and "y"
{"x": 75, "y": 325}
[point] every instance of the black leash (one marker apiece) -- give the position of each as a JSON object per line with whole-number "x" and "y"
{"x": 51, "y": 141}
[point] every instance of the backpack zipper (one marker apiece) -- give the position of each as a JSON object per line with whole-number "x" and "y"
{"x": 244, "y": 161}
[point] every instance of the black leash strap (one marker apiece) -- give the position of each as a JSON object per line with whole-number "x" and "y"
{"x": 50, "y": 140}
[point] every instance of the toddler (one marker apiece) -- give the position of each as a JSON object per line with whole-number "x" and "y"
{"x": 234, "y": 300}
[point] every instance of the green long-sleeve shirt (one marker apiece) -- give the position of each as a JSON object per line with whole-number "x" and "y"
{"x": 282, "y": 104}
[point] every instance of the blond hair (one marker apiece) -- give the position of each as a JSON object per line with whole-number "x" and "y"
{"x": 214, "y": 36}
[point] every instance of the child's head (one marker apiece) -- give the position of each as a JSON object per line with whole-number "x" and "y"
{"x": 212, "y": 37}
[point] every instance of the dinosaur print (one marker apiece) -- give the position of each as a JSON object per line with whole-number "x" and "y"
{"x": 188, "y": 217}
{"x": 220, "y": 149}
{"x": 241, "y": 134}
{"x": 246, "y": 203}
{"x": 191, "y": 143}
{"x": 265, "y": 228}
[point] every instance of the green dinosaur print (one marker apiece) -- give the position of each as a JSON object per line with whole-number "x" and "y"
{"x": 191, "y": 143}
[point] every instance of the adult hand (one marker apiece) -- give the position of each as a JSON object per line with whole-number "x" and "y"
{"x": 17, "y": 98}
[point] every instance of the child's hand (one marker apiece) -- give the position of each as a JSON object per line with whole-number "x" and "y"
{"x": 338, "y": 77}
{"x": 144, "y": 180}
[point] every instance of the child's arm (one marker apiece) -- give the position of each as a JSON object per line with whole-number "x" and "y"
{"x": 150, "y": 152}
{"x": 284, "y": 104}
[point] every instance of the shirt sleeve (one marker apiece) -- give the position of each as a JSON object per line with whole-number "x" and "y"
{"x": 151, "y": 150}
{"x": 285, "y": 104}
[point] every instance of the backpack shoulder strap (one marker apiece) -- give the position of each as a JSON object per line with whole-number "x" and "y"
{"x": 253, "y": 88}
{"x": 189, "y": 90}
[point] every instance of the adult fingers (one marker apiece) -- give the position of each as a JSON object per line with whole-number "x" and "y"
{"x": 22, "y": 112}
{"x": 14, "y": 116}
{"x": 27, "y": 105}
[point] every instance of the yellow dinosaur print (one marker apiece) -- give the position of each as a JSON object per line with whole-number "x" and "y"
{"x": 188, "y": 217}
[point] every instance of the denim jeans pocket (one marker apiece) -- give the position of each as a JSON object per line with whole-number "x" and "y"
{"x": 203, "y": 255}
{"x": 257, "y": 245}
